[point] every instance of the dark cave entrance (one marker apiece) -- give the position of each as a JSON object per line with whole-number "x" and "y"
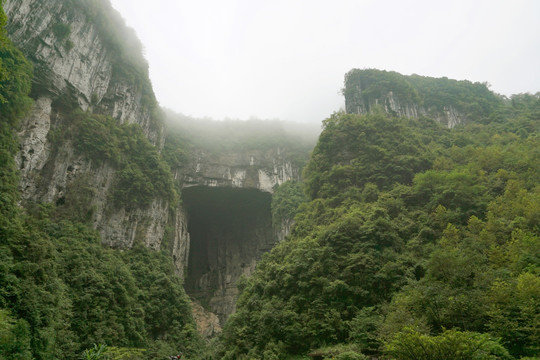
{"x": 229, "y": 230}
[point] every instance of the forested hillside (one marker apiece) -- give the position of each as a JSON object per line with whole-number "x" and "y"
{"x": 411, "y": 240}
{"x": 418, "y": 242}
{"x": 61, "y": 290}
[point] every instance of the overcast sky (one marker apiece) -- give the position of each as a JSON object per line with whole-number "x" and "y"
{"x": 286, "y": 58}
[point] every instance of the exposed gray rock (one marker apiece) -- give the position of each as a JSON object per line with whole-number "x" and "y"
{"x": 284, "y": 229}
{"x": 229, "y": 229}
{"x": 181, "y": 242}
{"x": 77, "y": 68}
{"x": 393, "y": 105}
{"x": 34, "y": 148}
{"x": 122, "y": 227}
{"x": 249, "y": 170}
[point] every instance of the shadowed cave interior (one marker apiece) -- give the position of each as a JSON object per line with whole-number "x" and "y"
{"x": 229, "y": 230}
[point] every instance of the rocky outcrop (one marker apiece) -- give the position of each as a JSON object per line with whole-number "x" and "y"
{"x": 283, "y": 229}
{"x": 227, "y": 199}
{"x": 393, "y": 105}
{"x": 74, "y": 64}
{"x": 181, "y": 242}
{"x": 34, "y": 147}
{"x": 75, "y": 67}
{"x": 207, "y": 322}
{"x": 255, "y": 169}
{"x": 450, "y": 102}
{"x": 56, "y": 173}
{"x": 230, "y": 229}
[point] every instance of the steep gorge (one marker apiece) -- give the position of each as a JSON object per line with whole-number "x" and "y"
{"x": 85, "y": 58}
{"x": 120, "y": 214}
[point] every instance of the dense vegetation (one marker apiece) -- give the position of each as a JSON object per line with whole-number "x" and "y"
{"x": 286, "y": 200}
{"x": 411, "y": 241}
{"x": 142, "y": 173}
{"x": 474, "y": 100}
{"x": 15, "y": 78}
{"x": 419, "y": 242}
{"x": 61, "y": 291}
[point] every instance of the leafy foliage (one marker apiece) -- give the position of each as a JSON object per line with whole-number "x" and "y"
{"x": 285, "y": 202}
{"x": 474, "y": 100}
{"x": 104, "y": 352}
{"x": 353, "y": 151}
{"x": 61, "y": 30}
{"x": 339, "y": 352}
{"x": 74, "y": 292}
{"x": 409, "y": 226}
{"x": 376, "y": 83}
{"x": 417, "y": 241}
{"x": 450, "y": 345}
{"x": 60, "y": 290}
{"x": 14, "y": 337}
{"x": 15, "y": 79}
{"x": 142, "y": 173}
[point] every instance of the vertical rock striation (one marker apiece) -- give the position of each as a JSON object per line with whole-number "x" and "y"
{"x": 77, "y": 63}
{"x": 255, "y": 169}
{"x": 393, "y": 105}
{"x": 450, "y": 102}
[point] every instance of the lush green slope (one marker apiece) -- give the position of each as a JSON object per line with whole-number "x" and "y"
{"x": 61, "y": 291}
{"x": 418, "y": 241}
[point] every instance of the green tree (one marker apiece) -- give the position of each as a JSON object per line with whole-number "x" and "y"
{"x": 15, "y": 79}
{"x": 450, "y": 345}
{"x": 14, "y": 337}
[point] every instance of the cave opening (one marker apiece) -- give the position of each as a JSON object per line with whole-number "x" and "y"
{"x": 229, "y": 229}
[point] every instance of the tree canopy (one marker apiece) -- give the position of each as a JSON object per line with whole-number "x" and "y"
{"x": 417, "y": 241}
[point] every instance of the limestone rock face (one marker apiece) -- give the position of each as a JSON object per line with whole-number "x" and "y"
{"x": 229, "y": 230}
{"x": 34, "y": 148}
{"x": 284, "y": 229}
{"x": 393, "y": 105}
{"x": 226, "y": 240}
{"x": 255, "y": 169}
{"x": 57, "y": 174}
{"x": 74, "y": 67}
{"x": 181, "y": 243}
{"x": 73, "y": 63}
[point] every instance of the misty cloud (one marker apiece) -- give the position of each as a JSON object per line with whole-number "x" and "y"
{"x": 286, "y": 59}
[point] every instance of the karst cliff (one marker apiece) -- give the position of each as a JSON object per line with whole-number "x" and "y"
{"x": 97, "y": 146}
{"x": 448, "y": 101}
{"x": 88, "y": 67}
